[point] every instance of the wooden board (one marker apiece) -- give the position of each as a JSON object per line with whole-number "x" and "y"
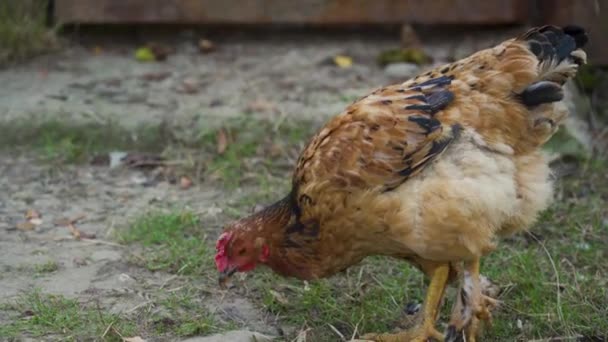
{"x": 589, "y": 14}
{"x": 294, "y": 12}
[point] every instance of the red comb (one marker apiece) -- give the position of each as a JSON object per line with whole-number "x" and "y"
{"x": 221, "y": 259}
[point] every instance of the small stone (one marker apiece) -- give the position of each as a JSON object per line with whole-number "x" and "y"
{"x": 401, "y": 70}
{"x": 412, "y": 308}
{"x": 234, "y": 336}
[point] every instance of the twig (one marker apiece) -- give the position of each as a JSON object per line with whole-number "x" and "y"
{"x": 137, "y": 306}
{"x": 337, "y": 331}
{"x": 101, "y": 242}
{"x": 385, "y": 289}
{"x": 167, "y": 281}
{"x": 560, "y": 313}
{"x": 105, "y": 332}
{"x": 357, "y": 328}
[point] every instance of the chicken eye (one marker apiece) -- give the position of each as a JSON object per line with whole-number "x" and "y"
{"x": 241, "y": 251}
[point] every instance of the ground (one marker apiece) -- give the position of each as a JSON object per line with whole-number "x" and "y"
{"x": 93, "y": 249}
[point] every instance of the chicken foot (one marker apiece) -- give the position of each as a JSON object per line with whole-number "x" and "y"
{"x": 439, "y": 274}
{"x": 472, "y": 305}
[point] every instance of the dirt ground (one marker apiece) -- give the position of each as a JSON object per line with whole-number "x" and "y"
{"x": 272, "y": 77}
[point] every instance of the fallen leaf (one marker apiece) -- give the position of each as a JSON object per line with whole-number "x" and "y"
{"x": 343, "y": 61}
{"x": 144, "y": 54}
{"x": 159, "y": 51}
{"x": 70, "y": 223}
{"x": 261, "y": 105}
{"x": 221, "y": 141}
{"x": 185, "y": 182}
{"x": 133, "y": 339}
{"x": 206, "y": 46}
{"x": 26, "y": 226}
{"x": 75, "y": 232}
{"x": 188, "y": 86}
{"x": 32, "y": 214}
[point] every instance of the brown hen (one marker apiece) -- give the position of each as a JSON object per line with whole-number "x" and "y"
{"x": 432, "y": 171}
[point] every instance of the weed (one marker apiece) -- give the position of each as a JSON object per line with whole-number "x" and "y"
{"x": 23, "y": 30}
{"x": 69, "y": 143}
{"x": 172, "y": 242}
{"x": 47, "y": 267}
{"x": 40, "y": 314}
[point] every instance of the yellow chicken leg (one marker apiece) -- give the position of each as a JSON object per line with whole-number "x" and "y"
{"x": 426, "y": 330}
{"x": 471, "y": 306}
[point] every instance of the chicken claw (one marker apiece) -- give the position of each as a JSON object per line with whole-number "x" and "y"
{"x": 472, "y": 306}
{"x": 418, "y": 334}
{"x": 439, "y": 274}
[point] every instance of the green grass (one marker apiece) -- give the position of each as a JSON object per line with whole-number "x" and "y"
{"x": 257, "y": 150}
{"x": 63, "y": 142}
{"x": 178, "y": 313}
{"x": 37, "y": 314}
{"x": 47, "y": 267}
{"x": 23, "y": 30}
{"x": 370, "y": 297}
{"x": 182, "y": 315}
{"x": 173, "y": 242}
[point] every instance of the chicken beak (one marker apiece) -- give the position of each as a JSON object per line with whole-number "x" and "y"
{"x": 225, "y": 276}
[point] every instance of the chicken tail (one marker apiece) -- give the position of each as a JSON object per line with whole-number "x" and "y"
{"x": 559, "y": 52}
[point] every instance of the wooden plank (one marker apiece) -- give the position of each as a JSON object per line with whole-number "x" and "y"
{"x": 291, "y": 12}
{"x": 585, "y": 13}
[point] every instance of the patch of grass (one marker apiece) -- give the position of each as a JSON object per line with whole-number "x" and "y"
{"x": 38, "y": 314}
{"x": 23, "y": 30}
{"x": 172, "y": 242}
{"x": 183, "y": 315}
{"x": 369, "y": 297}
{"x": 47, "y": 267}
{"x": 256, "y": 148}
{"x": 72, "y": 143}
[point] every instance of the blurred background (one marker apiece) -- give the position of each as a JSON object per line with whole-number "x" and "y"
{"x": 132, "y": 130}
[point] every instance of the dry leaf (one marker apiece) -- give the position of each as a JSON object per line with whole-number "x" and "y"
{"x": 206, "y": 46}
{"x": 32, "y": 214}
{"x": 75, "y": 232}
{"x": 261, "y": 105}
{"x": 185, "y": 182}
{"x": 33, "y": 219}
{"x": 133, "y": 339}
{"x": 221, "y": 141}
{"x": 188, "y": 86}
{"x": 26, "y": 226}
{"x": 343, "y": 61}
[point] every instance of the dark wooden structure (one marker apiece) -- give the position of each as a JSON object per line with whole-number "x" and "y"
{"x": 343, "y": 12}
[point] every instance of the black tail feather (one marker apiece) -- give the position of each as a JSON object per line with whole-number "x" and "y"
{"x": 554, "y": 43}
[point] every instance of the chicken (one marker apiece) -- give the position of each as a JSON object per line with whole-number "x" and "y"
{"x": 433, "y": 171}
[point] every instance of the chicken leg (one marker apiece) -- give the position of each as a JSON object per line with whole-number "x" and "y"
{"x": 439, "y": 274}
{"x": 471, "y": 306}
